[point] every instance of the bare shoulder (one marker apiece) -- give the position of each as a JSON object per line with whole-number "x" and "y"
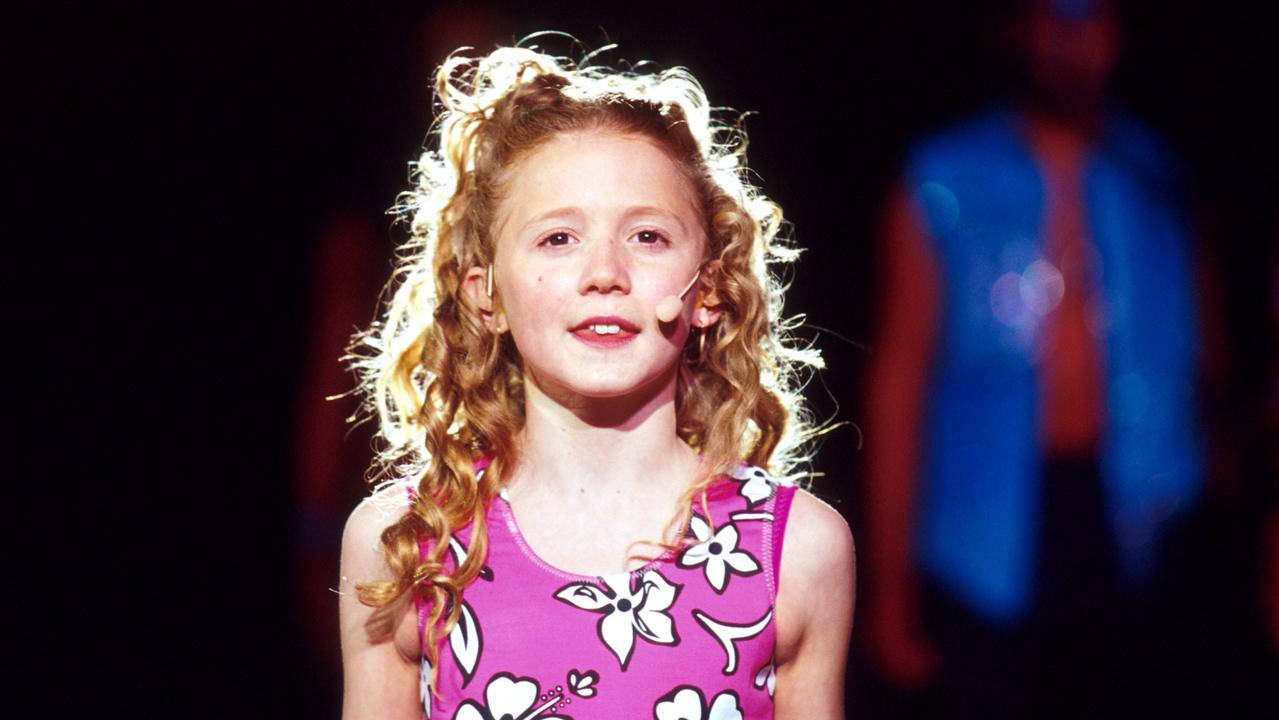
{"x": 380, "y": 646}
{"x": 814, "y": 611}
{"x": 363, "y": 557}
{"x": 364, "y": 560}
{"x": 362, "y": 536}
{"x": 817, "y": 552}
{"x": 818, "y": 545}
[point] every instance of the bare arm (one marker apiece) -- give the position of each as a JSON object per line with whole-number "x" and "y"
{"x": 814, "y": 612}
{"x": 380, "y": 648}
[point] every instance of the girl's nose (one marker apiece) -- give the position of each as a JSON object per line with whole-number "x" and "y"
{"x": 606, "y": 269}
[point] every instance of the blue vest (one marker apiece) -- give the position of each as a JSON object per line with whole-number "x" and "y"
{"x": 981, "y": 193}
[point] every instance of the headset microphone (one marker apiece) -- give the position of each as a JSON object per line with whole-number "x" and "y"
{"x": 668, "y": 307}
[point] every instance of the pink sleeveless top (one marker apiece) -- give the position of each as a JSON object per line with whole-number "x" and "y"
{"x": 689, "y": 636}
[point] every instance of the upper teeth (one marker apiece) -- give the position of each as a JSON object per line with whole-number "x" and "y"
{"x": 599, "y": 329}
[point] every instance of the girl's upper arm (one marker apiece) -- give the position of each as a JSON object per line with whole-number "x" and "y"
{"x": 380, "y": 672}
{"x": 814, "y": 610}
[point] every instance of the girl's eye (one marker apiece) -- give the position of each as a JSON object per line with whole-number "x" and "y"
{"x": 559, "y": 239}
{"x": 649, "y": 237}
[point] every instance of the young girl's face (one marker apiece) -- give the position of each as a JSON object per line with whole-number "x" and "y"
{"x": 593, "y": 230}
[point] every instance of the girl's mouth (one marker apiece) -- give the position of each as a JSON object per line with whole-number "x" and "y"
{"x": 605, "y": 331}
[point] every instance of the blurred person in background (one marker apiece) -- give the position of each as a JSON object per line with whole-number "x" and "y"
{"x": 1032, "y": 433}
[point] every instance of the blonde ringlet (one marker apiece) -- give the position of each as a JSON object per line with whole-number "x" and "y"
{"x": 446, "y": 391}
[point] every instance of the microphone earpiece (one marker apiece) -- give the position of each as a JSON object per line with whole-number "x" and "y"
{"x": 668, "y": 307}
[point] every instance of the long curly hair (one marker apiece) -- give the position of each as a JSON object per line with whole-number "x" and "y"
{"x": 447, "y": 392}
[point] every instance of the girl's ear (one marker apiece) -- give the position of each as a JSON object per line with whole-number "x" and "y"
{"x": 708, "y": 309}
{"x": 478, "y": 285}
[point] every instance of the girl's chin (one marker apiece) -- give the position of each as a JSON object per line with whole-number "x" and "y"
{"x": 608, "y": 389}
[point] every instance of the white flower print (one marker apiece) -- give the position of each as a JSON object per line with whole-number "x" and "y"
{"x": 582, "y": 684}
{"x": 757, "y": 485}
{"x": 507, "y": 697}
{"x": 766, "y": 677}
{"x": 460, "y": 553}
{"x": 686, "y": 703}
{"x": 467, "y": 642}
{"x": 718, "y": 553}
{"x": 744, "y": 515}
{"x": 466, "y": 638}
{"x": 627, "y": 611}
{"x": 729, "y": 634}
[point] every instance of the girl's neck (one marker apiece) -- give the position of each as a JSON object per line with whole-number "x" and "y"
{"x": 602, "y": 446}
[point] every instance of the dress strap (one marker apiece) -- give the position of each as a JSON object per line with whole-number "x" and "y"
{"x": 781, "y": 513}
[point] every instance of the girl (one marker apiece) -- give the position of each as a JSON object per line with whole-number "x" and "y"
{"x": 583, "y": 372}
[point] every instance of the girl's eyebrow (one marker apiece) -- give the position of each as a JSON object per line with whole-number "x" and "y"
{"x": 573, "y": 213}
{"x": 631, "y": 213}
{"x": 577, "y": 214}
{"x": 643, "y": 210}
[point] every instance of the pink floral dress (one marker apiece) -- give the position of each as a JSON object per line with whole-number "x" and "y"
{"x": 689, "y": 636}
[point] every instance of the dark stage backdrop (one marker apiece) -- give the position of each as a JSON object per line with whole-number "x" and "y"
{"x": 177, "y": 166}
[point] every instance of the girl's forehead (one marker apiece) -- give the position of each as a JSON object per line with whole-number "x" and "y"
{"x": 595, "y": 172}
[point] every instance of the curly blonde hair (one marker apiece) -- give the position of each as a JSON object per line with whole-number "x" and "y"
{"x": 446, "y": 391}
